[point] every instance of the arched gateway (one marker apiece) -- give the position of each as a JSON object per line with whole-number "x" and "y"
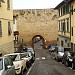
{"x": 33, "y": 24}
{"x": 38, "y": 41}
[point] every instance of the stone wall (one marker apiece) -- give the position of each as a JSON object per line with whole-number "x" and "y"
{"x": 37, "y": 22}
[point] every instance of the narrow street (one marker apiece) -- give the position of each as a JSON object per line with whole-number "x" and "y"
{"x": 46, "y": 65}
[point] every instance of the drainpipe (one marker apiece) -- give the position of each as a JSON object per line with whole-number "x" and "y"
{"x": 70, "y": 23}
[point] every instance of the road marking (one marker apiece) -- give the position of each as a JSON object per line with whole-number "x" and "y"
{"x": 43, "y": 58}
{"x": 37, "y": 58}
{"x": 30, "y": 69}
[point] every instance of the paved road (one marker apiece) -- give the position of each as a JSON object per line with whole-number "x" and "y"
{"x": 38, "y": 45}
{"x": 46, "y": 65}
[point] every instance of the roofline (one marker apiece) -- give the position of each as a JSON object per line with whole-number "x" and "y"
{"x": 63, "y": 3}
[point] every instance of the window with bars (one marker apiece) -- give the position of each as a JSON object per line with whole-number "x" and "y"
{"x": 9, "y": 29}
{"x": 8, "y": 4}
{"x": 0, "y": 29}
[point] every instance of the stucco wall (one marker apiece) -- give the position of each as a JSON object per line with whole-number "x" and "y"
{"x": 6, "y": 41}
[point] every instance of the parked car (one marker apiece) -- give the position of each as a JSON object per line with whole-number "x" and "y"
{"x": 73, "y": 63}
{"x": 27, "y": 57}
{"x": 51, "y": 49}
{"x": 58, "y": 53}
{"x": 20, "y": 64}
{"x": 68, "y": 58}
{"x": 6, "y": 66}
{"x": 30, "y": 49}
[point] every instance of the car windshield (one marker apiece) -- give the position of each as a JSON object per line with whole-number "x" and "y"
{"x": 14, "y": 57}
{"x": 61, "y": 49}
{"x": 24, "y": 55}
{"x": 1, "y": 64}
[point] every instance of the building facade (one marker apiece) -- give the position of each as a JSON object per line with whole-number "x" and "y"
{"x": 6, "y": 27}
{"x": 73, "y": 25}
{"x": 37, "y": 22}
{"x": 66, "y": 24}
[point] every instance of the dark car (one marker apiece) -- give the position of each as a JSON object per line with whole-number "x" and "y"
{"x": 68, "y": 58}
{"x": 58, "y": 53}
{"x": 73, "y": 62}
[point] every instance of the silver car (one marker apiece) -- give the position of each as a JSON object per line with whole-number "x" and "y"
{"x": 6, "y": 66}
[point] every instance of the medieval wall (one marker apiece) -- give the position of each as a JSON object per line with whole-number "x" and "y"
{"x": 37, "y": 22}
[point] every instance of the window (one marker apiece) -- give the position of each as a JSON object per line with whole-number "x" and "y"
{"x": 59, "y": 26}
{"x": 68, "y": 24}
{"x": 72, "y": 10}
{"x": 72, "y": 46}
{"x": 1, "y": 63}
{"x": 9, "y": 29}
{"x": 13, "y": 20}
{"x": 59, "y": 12}
{"x": 8, "y": 4}
{"x": 6, "y": 63}
{"x": 0, "y": 29}
{"x": 0, "y": 3}
{"x": 62, "y": 43}
{"x": 63, "y": 10}
{"x": 63, "y": 25}
{"x": 67, "y": 8}
{"x": 72, "y": 31}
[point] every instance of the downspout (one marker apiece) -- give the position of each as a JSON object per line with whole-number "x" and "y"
{"x": 70, "y": 23}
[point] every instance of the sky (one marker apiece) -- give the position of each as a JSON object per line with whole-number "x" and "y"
{"x": 35, "y": 4}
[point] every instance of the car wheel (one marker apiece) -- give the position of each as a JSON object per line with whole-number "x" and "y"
{"x": 66, "y": 64}
{"x": 57, "y": 59}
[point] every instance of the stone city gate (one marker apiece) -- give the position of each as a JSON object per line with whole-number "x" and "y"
{"x": 33, "y": 22}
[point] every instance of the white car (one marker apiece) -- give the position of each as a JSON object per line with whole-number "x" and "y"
{"x": 30, "y": 49}
{"x": 51, "y": 49}
{"x": 27, "y": 57}
{"x": 19, "y": 63}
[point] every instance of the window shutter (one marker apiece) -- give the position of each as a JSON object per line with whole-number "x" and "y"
{"x": 0, "y": 29}
{"x": 9, "y": 29}
{"x": 8, "y": 4}
{"x": 0, "y": 3}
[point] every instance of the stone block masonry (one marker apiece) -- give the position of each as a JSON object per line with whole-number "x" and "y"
{"x": 32, "y": 22}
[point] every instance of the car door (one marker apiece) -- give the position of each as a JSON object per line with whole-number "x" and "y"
{"x": 10, "y": 70}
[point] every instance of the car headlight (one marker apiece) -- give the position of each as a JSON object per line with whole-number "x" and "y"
{"x": 17, "y": 66}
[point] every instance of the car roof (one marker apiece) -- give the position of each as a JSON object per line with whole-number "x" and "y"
{"x": 12, "y": 54}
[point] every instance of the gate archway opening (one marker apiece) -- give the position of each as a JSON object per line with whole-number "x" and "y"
{"x": 38, "y": 42}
